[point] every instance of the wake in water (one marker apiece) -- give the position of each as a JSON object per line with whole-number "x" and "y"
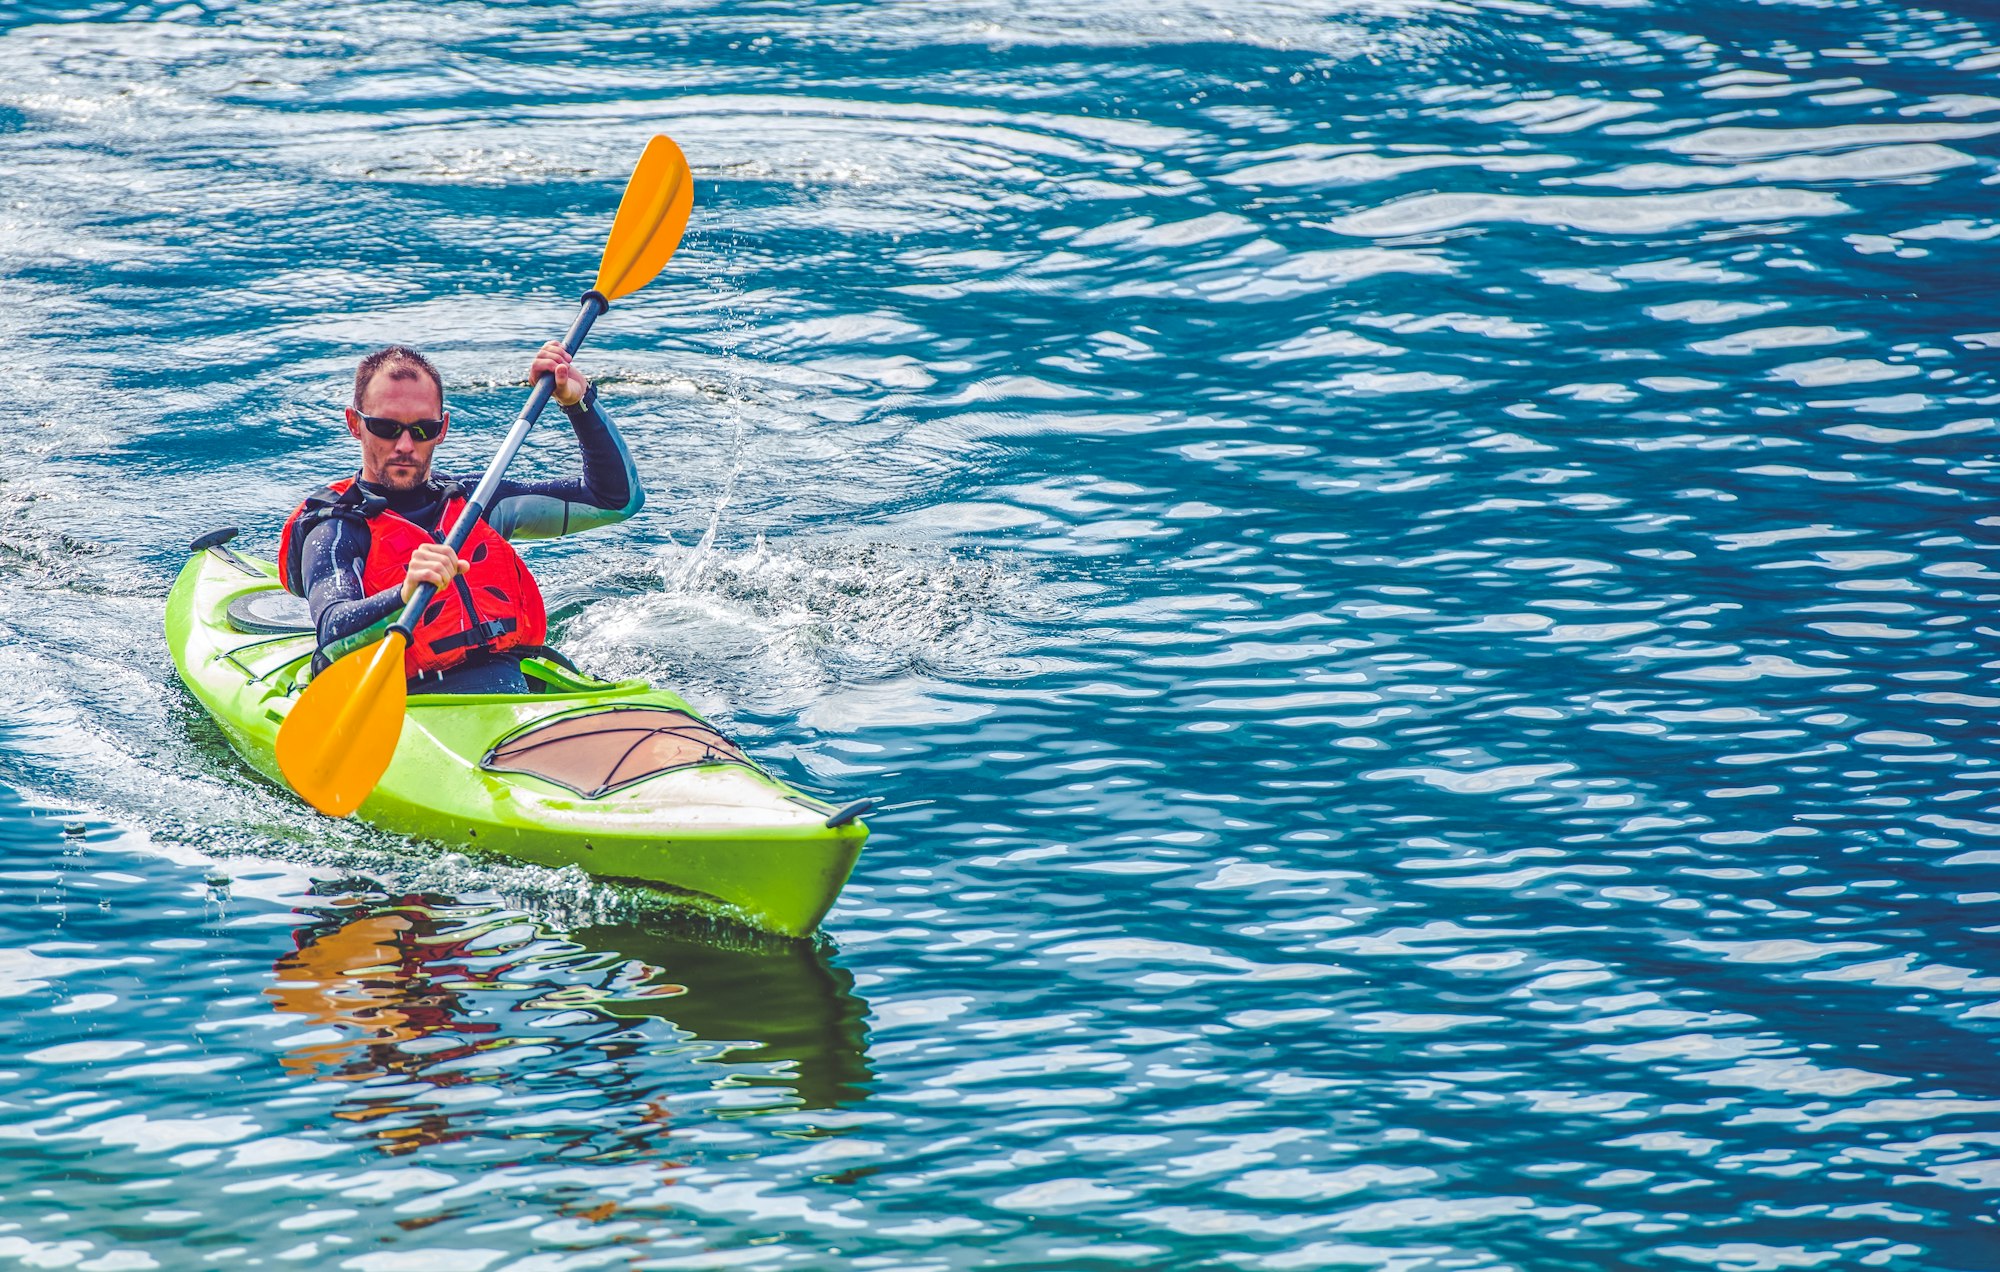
{"x": 769, "y": 629}
{"x": 754, "y": 636}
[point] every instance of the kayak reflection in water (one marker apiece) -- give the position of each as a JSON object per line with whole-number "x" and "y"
{"x": 405, "y": 982}
{"x": 358, "y": 548}
{"x": 789, "y": 1015}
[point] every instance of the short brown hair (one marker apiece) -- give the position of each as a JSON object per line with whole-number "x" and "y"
{"x": 401, "y": 363}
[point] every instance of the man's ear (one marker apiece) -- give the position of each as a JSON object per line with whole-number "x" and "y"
{"x": 444, "y": 425}
{"x": 353, "y": 422}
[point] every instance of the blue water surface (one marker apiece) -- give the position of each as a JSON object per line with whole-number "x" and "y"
{"x": 1417, "y": 579}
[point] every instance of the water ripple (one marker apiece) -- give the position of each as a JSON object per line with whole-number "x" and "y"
{"x": 1413, "y": 575}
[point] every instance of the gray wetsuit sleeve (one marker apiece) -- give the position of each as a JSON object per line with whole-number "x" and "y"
{"x": 344, "y": 615}
{"x": 607, "y": 493}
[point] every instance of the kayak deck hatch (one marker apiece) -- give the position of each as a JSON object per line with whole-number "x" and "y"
{"x": 270, "y": 613}
{"x": 598, "y": 752}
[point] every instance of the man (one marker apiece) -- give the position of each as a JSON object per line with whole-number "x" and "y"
{"x": 358, "y": 548}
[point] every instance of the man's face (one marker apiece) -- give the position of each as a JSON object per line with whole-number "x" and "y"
{"x": 404, "y": 463}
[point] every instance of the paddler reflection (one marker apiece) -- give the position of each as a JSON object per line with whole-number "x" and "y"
{"x": 373, "y": 976}
{"x": 369, "y": 972}
{"x": 414, "y": 987}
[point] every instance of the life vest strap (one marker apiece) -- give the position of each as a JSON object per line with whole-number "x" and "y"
{"x": 483, "y": 634}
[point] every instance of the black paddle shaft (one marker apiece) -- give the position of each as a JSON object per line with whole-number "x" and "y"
{"x": 594, "y": 303}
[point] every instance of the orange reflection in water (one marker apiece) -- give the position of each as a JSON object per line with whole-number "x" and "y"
{"x": 378, "y": 977}
{"x": 374, "y": 976}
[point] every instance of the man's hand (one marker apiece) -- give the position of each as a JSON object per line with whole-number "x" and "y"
{"x": 552, "y": 358}
{"x": 432, "y": 563}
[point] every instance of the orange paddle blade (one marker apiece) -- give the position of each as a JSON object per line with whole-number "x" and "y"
{"x": 342, "y": 731}
{"x": 650, "y": 220}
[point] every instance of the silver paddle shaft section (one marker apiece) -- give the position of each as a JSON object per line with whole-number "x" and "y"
{"x": 594, "y": 304}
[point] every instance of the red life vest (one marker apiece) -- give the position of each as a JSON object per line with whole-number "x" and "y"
{"x": 493, "y": 606}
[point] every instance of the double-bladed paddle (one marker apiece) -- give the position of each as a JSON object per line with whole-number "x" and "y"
{"x": 341, "y": 733}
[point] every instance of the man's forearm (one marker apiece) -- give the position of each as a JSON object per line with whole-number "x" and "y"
{"x": 608, "y": 491}
{"x": 344, "y": 615}
{"x": 610, "y": 480}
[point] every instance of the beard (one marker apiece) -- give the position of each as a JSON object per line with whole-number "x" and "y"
{"x": 395, "y": 477}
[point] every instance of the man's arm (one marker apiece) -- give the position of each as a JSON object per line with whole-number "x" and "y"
{"x": 607, "y": 493}
{"x": 344, "y": 615}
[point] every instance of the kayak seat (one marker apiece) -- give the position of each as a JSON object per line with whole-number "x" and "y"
{"x": 549, "y": 670}
{"x": 270, "y": 613}
{"x": 596, "y": 753}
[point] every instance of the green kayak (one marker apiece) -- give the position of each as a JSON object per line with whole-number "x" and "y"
{"x": 624, "y": 780}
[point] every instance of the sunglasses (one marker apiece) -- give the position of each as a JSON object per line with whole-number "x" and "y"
{"x": 388, "y": 430}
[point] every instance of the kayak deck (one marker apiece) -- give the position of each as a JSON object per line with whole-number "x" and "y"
{"x": 623, "y": 779}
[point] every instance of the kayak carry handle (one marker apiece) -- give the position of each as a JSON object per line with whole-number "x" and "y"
{"x": 853, "y": 812}
{"x": 213, "y": 541}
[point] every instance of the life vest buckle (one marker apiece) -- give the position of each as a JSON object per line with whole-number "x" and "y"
{"x": 483, "y": 634}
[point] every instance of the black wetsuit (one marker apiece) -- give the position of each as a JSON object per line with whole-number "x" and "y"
{"x": 335, "y": 550}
